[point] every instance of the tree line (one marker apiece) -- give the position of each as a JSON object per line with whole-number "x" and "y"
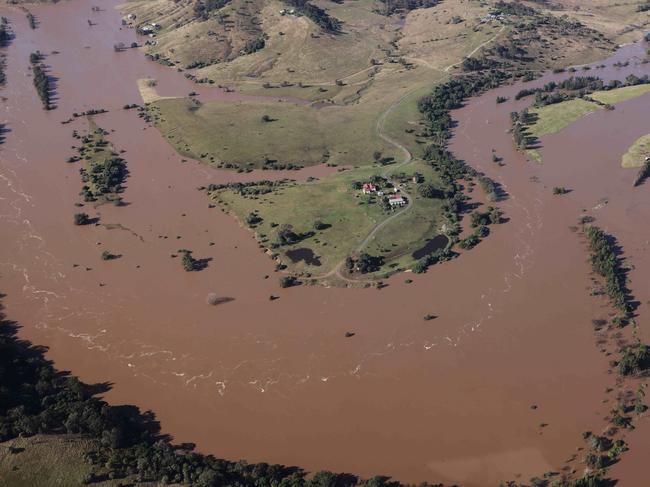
{"x": 605, "y": 263}
{"x": 576, "y": 86}
{"x": 393, "y": 6}
{"x": 436, "y": 109}
{"x": 41, "y": 79}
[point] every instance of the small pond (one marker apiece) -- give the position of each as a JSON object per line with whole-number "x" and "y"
{"x": 304, "y": 254}
{"x": 436, "y": 243}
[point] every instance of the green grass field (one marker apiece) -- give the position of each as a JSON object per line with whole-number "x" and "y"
{"x": 637, "y": 154}
{"x": 619, "y": 95}
{"x": 50, "y": 461}
{"x": 45, "y": 461}
{"x": 350, "y": 214}
{"x": 554, "y": 118}
{"x": 330, "y": 200}
{"x": 236, "y": 133}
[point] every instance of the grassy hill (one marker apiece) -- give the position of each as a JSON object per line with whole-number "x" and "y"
{"x": 351, "y": 85}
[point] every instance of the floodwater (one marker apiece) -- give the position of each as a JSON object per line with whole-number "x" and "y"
{"x": 447, "y": 400}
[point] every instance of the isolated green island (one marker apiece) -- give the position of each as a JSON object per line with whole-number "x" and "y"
{"x": 638, "y": 154}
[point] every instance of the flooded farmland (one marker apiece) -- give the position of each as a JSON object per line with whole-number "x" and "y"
{"x": 448, "y": 400}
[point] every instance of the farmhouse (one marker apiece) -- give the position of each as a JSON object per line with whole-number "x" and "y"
{"x": 396, "y": 200}
{"x": 368, "y": 188}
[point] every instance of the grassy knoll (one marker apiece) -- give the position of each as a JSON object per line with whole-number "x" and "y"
{"x": 189, "y": 38}
{"x": 612, "y": 97}
{"x": 48, "y": 461}
{"x": 298, "y": 50}
{"x": 638, "y": 153}
{"x": 235, "y": 132}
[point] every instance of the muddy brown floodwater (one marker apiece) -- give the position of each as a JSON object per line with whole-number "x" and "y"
{"x": 277, "y": 381}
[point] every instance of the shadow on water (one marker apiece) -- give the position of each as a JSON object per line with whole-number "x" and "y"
{"x": 6, "y": 34}
{"x": 3, "y": 131}
{"x": 46, "y": 400}
{"x": 29, "y": 365}
{"x": 52, "y": 82}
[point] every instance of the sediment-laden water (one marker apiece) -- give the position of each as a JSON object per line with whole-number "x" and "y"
{"x": 277, "y": 380}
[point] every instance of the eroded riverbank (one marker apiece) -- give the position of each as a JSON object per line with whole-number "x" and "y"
{"x": 277, "y": 381}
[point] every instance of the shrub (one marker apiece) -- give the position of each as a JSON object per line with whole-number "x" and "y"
{"x": 106, "y": 255}
{"x": 81, "y": 219}
{"x": 287, "y": 281}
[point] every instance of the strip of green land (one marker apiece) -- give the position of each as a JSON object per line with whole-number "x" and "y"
{"x": 554, "y": 118}
{"x": 612, "y": 97}
{"x": 638, "y": 153}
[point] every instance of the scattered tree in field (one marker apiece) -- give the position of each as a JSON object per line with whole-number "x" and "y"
{"x": 253, "y": 219}
{"x": 288, "y": 281}
{"x": 365, "y": 264}
{"x": 427, "y": 190}
{"x": 319, "y": 225}
{"x": 286, "y": 235}
{"x": 254, "y": 45}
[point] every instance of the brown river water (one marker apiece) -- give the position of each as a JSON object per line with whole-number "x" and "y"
{"x": 444, "y": 400}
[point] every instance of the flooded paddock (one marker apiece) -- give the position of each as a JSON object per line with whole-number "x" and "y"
{"x": 447, "y": 400}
